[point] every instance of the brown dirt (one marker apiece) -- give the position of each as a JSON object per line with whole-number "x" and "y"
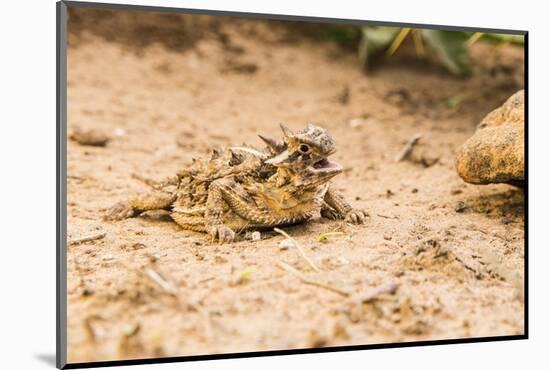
{"x": 164, "y": 95}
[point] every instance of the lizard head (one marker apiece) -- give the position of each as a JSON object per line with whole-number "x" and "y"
{"x": 305, "y": 153}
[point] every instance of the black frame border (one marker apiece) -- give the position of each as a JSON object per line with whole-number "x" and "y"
{"x": 61, "y": 188}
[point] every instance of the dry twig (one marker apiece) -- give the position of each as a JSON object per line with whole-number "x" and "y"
{"x": 300, "y": 250}
{"x": 174, "y": 291}
{"x": 160, "y": 281}
{"x": 407, "y": 149}
{"x": 86, "y": 239}
{"x": 388, "y": 217}
{"x": 305, "y": 280}
{"x": 371, "y": 294}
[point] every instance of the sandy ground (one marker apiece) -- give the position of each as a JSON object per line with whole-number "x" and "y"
{"x": 168, "y": 91}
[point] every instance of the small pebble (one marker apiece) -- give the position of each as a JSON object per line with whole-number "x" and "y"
{"x": 342, "y": 261}
{"x": 91, "y": 137}
{"x": 285, "y": 244}
{"x": 357, "y": 122}
{"x": 460, "y": 207}
{"x": 219, "y": 259}
{"x": 256, "y": 236}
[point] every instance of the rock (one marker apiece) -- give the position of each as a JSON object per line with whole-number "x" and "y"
{"x": 256, "y": 236}
{"x": 495, "y": 153}
{"x": 285, "y": 244}
{"x": 92, "y": 137}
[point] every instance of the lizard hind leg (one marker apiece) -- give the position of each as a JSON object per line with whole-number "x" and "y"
{"x": 133, "y": 207}
{"x": 193, "y": 222}
{"x": 214, "y": 214}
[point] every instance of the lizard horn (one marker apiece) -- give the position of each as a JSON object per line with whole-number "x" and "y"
{"x": 275, "y": 146}
{"x": 286, "y": 131}
{"x": 270, "y": 142}
{"x": 215, "y": 154}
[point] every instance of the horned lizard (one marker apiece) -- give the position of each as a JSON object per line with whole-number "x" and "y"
{"x": 286, "y": 183}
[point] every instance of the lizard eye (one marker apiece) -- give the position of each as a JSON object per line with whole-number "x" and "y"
{"x": 304, "y": 148}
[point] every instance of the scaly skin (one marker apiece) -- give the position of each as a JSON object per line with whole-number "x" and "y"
{"x": 242, "y": 188}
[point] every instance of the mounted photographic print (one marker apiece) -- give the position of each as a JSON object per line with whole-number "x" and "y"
{"x": 234, "y": 184}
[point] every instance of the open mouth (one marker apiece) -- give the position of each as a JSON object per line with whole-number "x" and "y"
{"x": 326, "y": 165}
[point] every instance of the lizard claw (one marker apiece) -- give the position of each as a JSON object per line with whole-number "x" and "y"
{"x": 119, "y": 211}
{"x": 222, "y": 233}
{"x": 330, "y": 213}
{"x": 356, "y": 217}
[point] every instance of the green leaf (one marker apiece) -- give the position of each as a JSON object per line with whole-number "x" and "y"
{"x": 374, "y": 41}
{"x": 452, "y": 48}
{"x": 344, "y": 35}
{"x": 515, "y": 39}
{"x": 323, "y": 238}
{"x": 244, "y": 276}
{"x": 454, "y": 101}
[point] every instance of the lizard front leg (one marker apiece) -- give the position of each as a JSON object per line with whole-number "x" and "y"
{"x": 133, "y": 207}
{"x": 336, "y": 207}
{"x": 215, "y": 205}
